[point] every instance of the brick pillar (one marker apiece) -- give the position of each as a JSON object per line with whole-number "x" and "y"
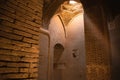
{"x": 20, "y": 21}
{"x": 97, "y": 44}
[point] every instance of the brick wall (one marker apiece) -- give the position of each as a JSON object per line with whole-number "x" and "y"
{"x": 20, "y": 21}
{"x": 97, "y": 45}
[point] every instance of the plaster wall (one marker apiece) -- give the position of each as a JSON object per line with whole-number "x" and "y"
{"x": 72, "y": 61}
{"x": 75, "y": 49}
{"x": 57, "y": 36}
{"x": 44, "y": 57}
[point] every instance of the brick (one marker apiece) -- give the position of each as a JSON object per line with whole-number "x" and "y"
{"x": 24, "y": 54}
{"x": 21, "y": 1}
{"x": 16, "y": 7}
{"x": 34, "y": 75}
{"x": 33, "y": 32}
{"x": 33, "y": 24}
{"x": 20, "y": 18}
{"x": 19, "y": 36}
{"x": 24, "y": 16}
{"x": 30, "y": 40}
{"x": 26, "y": 8}
{"x": 39, "y": 14}
{"x": 32, "y": 6}
{"x": 19, "y": 27}
{"x": 29, "y": 59}
{"x": 21, "y": 44}
{"x": 9, "y": 24}
{"x": 9, "y": 58}
{"x": 16, "y": 76}
{"x": 4, "y": 40}
{"x": 35, "y": 46}
{"x": 9, "y": 46}
{"x": 30, "y": 28}
{"x": 8, "y": 70}
{"x": 35, "y": 16}
{"x": 35, "y": 5}
{"x": 3, "y": 11}
{"x": 19, "y": 53}
{"x": 5, "y": 28}
{"x": 31, "y": 79}
{"x": 7, "y": 13}
{"x": 36, "y": 37}
{"x": 32, "y": 50}
{"x": 22, "y": 65}
{"x": 14, "y": 2}
{"x": 22, "y": 33}
{"x": 33, "y": 1}
{"x": 33, "y": 65}
{"x": 10, "y": 35}
{"x": 5, "y": 52}
{"x": 3, "y": 17}
{"x": 26, "y": 70}
{"x": 5, "y": 7}
{"x": 38, "y": 21}
{"x": 2, "y": 64}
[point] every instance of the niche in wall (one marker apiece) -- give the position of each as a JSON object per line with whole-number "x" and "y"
{"x": 57, "y": 64}
{"x": 58, "y": 51}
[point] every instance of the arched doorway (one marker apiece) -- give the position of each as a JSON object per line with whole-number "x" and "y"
{"x": 96, "y": 41}
{"x": 67, "y": 28}
{"x": 57, "y": 64}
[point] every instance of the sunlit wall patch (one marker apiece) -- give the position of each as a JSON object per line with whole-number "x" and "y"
{"x": 72, "y": 2}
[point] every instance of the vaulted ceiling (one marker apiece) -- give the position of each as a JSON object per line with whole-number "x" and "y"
{"x": 50, "y": 6}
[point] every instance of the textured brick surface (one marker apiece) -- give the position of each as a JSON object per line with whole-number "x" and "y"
{"x": 20, "y": 21}
{"x": 97, "y": 46}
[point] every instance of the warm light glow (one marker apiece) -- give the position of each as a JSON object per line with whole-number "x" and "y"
{"x": 72, "y": 2}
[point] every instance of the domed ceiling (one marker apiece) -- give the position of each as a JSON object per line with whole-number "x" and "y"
{"x": 50, "y": 6}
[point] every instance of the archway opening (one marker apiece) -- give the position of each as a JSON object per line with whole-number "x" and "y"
{"x": 57, "y": 65}
{"x": 67, "y": 28}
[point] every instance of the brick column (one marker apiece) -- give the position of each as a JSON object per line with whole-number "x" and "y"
{"x": 20, "y": 21}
